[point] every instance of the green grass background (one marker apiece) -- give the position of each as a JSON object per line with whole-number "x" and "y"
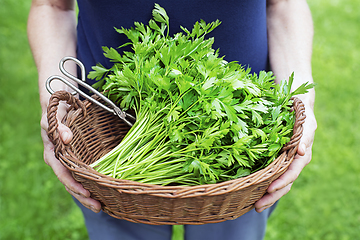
{"x": 323, "y": 203}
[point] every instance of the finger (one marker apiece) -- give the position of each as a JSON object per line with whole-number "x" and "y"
{"x": 269, "y": 199}
{"x": 48, "y": 147}
{"x": 76, "y": 189}
{"x": 88, "y": 202}
{"x": 44, "y": 122}
{"x": 68, "y": 181}
{"x": 63, "y": 174}
{"x": 301, "y": 149}
{"x": 309, "y": 128}
{"x": 60, "y": 171}
{"x": 291, "y": 174}
{"x": 305, "y": 145}
{"x": 71, "y": 185}
{"x": 65, "y": 133}
{"x": 283, "y": 184}
{"x": 65, "y": 177}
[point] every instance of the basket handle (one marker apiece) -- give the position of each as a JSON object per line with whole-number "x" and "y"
{"x": 300, "y": 116}
{"x": 52, "y": 108}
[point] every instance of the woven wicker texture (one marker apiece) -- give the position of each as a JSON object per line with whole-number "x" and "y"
{"x": 96, "y": 132}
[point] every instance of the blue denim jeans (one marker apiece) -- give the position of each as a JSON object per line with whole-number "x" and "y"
{"x": 101, "y": 226}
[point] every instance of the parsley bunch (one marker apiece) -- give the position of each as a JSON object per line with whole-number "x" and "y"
{"x": 200, "y": 119}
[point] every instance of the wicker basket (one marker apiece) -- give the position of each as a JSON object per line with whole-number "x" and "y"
{"x": 96, "y": 132}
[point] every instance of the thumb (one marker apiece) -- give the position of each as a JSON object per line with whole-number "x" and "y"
{"x": 65, "y": 133}
{"x": 301, "y": 149}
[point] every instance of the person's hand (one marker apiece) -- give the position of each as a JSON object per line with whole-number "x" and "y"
{"x": 283, "y": 184}
{"x": 63, "y": 174}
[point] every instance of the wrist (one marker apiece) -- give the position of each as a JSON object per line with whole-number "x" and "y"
{"x": 308, "y": 99}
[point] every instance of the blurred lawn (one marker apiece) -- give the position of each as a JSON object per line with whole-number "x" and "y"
{"x": 323, "y": 203}
{"x": 33, "y": 204}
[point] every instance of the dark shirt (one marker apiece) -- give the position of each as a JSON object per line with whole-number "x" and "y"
{"x": 242, "y": 35}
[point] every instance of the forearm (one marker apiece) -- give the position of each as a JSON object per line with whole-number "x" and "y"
{"x": 52, "y": 36}
{"x": 290, "y": 32}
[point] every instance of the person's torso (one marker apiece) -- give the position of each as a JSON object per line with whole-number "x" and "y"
{"x": 242, "y": 35}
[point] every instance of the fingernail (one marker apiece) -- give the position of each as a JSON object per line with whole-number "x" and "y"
{"x": 65, "y": 136}
{"x": 83, "y": 195}
{"x": 260, "y": 210}
{"x": 94, "y": 209}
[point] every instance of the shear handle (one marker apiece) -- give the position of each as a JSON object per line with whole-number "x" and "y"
{"x": 69, "y": 75}
{"x": 82, "y": 81}
{"x": 114, "y": 109}
{"x": 76, "y": 89}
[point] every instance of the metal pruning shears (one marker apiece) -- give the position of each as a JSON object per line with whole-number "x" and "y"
{"x": 113, "y": 108}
